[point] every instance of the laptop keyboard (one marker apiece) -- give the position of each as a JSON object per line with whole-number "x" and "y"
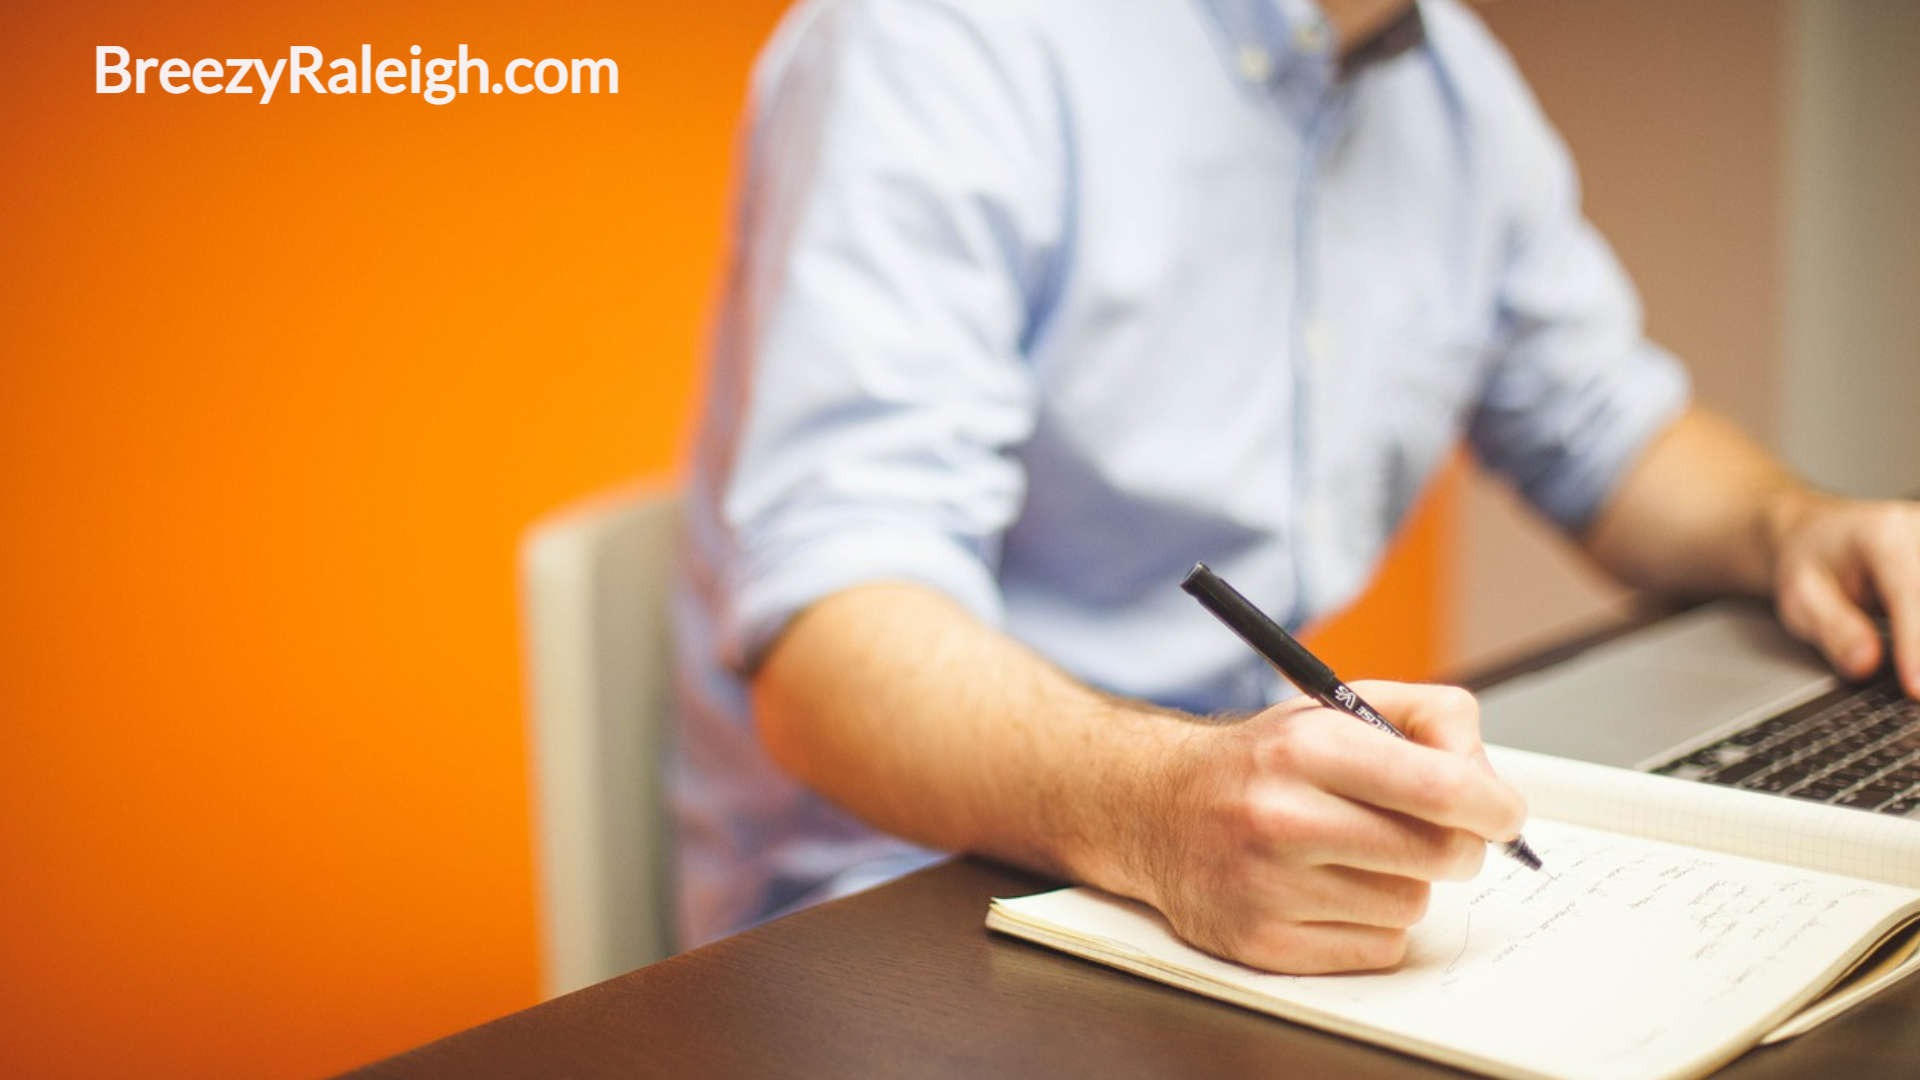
{"x": 1860, "y": 749}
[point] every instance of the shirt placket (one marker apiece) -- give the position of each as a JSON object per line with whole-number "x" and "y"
{"x": 1291, "y": 57}
{"x": 1315, "y": 105}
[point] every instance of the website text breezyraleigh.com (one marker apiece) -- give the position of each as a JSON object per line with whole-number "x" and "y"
{"x": 305, "y": 69}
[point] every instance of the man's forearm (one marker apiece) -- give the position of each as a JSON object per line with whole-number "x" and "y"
{"x": 1706, "y": 510}
{"x": 1700, "y": 512}
{"x": 904, "y": 709}
{"x": 1295, "y": 840}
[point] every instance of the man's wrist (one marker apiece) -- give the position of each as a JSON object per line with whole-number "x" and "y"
{"x": 1130, "y": 818}
{"x": 1783, "y": 510}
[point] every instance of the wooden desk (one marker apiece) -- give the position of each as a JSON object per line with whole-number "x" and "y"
{"x": 904, "y": 980}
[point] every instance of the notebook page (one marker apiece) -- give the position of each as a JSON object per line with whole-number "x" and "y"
{"x": 1816, "y": 836}
{"x": 1633, "y": 959}
{"x": 1900, "y": 960}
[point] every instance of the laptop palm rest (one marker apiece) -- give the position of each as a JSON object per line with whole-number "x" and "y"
{"x": 1642, "y": 698}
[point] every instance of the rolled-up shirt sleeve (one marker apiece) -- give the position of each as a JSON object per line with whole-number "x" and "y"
{"x": 899, "y": 211}
{"x": 1577, "y": 391}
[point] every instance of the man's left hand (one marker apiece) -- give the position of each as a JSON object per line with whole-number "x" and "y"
{"x": 1836, "y": 560}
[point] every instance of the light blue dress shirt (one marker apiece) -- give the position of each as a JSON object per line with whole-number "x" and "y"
{"x": 1037, "y": 302}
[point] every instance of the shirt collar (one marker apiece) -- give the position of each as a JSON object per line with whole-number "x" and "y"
{"x": 1407, "y": 31}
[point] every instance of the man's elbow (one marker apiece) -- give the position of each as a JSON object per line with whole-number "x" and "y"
{"x": 797, "y": 690}
{"x": 780, "y": 735}
{"x": 779, "y": 718}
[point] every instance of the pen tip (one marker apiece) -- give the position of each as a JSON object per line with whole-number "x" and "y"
{"x": 1517, "y": 847}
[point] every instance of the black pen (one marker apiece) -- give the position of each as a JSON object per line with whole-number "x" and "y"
{"x": 1301, "y": 667}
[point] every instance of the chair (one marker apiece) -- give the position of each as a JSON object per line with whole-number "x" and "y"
{"x": 594, "y": 584}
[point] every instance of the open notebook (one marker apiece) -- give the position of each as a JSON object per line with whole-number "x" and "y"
{"x": 1677, "y": 925}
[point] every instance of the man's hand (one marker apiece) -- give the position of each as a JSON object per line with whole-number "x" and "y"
{"x": 1304, "y": 841}
{"x": 1837, "y": 559}
{"x": 1706, "y": 510}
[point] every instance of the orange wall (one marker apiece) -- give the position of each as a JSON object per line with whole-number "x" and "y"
{"x": 1400, "y": 628}
{"x": 279, "y": 388}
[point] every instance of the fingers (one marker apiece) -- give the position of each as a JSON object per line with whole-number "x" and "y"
{"x": 1382, "y": 842}
{"x": 1816, "y": 609}
{"x": 1893, "y": 560}
{"x": 1320, "y": 948}
{"x": 1326, "y": 920}
{"x": 1343, "y": 894}
{"x": 1434, "y": 786}
{"x": 1319, "y": 828}
{"x": 1839, "y": 559}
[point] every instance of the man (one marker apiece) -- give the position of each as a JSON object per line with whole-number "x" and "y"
{"x": 1034, "y": 305}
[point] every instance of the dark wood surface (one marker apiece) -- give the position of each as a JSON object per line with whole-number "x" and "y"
{"x": 905, "y": 980}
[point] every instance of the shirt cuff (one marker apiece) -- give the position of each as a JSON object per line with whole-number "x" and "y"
{"x": 774, "y": 588}
{"x": 1598, "y": 458}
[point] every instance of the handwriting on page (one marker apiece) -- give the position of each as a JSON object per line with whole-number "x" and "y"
{"x": 1726, "y": 921}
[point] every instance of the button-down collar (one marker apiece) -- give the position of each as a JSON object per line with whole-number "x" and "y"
{"x": 1293, "y": 41}
{"x": 1276, "y": 40}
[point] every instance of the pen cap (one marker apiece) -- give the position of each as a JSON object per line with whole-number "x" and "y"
{"x": 1268, "y": 638}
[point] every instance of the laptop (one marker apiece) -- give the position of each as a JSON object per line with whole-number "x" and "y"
{"x": 1721, "y": 695}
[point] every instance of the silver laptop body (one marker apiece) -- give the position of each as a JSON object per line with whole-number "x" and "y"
{"x": 1720, "y": 693}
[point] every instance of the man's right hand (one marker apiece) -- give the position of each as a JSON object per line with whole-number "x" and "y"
{"x": 1304, "y": 841}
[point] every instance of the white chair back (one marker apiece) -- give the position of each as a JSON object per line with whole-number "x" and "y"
{"x": 594, "y": 585}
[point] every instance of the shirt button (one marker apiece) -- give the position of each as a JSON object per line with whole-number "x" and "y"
{"x": 1319, "y": 341}
{"x": 1255, "y": 64}
{"x": 1310, "y": 36}
{"x": 1320, "y": 524}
